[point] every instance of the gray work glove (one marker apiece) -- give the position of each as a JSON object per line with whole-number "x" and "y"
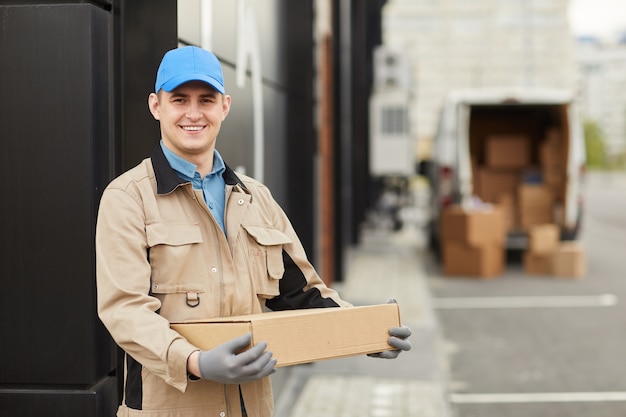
{"x": 398, "y": 339}
{"x": 225, "y": 365}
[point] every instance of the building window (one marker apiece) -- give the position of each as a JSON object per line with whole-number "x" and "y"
{"x": 394, "y": 121}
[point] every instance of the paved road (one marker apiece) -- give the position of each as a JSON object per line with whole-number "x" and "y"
{"x": 386, "y": 264}
{"x": 540, "y": 346}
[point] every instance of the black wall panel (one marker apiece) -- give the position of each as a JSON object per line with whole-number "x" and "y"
{"x": 301, "y": 134}
{"x": 98, "y": 400}
{"x": 54, "y": 135}
{"x": 74, "y": 82}
{"x": 145, "y": 30}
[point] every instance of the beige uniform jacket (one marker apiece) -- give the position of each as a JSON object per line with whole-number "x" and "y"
{"x": 161, "y": 257}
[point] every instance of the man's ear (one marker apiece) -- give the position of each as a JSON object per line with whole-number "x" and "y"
{"x": 225, "y": 105}
{"x": 153, "y": 105}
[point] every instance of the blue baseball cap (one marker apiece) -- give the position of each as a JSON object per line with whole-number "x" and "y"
{"x": 189, "y": 63}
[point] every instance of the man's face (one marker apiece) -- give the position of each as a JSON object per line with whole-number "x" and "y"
{"x": 191, "y": 116}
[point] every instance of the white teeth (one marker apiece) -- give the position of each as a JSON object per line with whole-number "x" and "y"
{"x": 192, "y": 128}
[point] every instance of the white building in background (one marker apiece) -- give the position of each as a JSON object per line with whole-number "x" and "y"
{"x": 455, "y": 44}
{"x": 603, "y": 91}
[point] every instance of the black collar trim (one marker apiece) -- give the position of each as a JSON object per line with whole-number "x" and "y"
{"x": 167, "y": 180}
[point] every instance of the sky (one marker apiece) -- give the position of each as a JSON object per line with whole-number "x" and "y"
{"x": 601, "y": 18}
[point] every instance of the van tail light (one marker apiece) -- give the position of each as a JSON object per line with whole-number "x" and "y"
{"x": 445, "y": 186}
{"x": 446, "y": 201}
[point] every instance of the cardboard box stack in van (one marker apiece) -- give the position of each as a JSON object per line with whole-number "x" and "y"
{"x": 473, "y": 241}
{"x": 548, "y": 256}
{"x": 498, "y": 179}
{"x": 524, "y": 175}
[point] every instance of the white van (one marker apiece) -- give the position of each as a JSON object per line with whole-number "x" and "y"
{"x": 475, "y": 125}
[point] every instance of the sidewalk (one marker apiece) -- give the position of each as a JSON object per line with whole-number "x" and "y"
{"x": 385, "y": 265}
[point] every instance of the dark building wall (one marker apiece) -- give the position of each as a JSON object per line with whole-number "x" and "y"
{"x": 357, "y": 29}
{"x": 301, "y": 133}
{"x": 144, "y": 31}
{"x": 72, "y": 115}
{"x": 367, "y": 34}
{"x": 51, "y": 128}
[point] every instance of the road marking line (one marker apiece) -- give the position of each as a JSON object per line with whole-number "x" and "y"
{"x": 537, "y": 397}
{"x": 603, "y": 300}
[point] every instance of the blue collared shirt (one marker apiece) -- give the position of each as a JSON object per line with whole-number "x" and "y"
{"x": 212, "y": 185}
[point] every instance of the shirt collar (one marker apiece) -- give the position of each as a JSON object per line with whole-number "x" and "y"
{"x": 188, "y": 169}
{"x": 168, "y": 180}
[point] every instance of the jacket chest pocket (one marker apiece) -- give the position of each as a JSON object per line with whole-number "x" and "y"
{"x": 174, "y": 257}
{"x": 265, "y": 251}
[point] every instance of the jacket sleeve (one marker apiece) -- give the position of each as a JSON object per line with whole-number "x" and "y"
{"x": 301, "y": 286}
{"x": 125, "y": 305}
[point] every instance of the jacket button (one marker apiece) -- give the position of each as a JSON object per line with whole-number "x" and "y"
{"x": 222, "y": 414}
{"x": 214, "y": 269}
{"x": 240, "y": 202}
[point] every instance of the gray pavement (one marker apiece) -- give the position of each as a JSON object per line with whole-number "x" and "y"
{"x": 385, "y": 265}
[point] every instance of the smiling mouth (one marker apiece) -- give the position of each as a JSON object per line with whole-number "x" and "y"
{"x": 192, "y": 128}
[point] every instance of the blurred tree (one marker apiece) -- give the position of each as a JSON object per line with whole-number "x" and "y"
{"x": 594, "y": 144}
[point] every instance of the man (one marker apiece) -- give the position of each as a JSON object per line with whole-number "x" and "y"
{"x": 182, "y": 237}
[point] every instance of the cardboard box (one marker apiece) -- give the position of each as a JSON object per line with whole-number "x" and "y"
{"x": 507, "y": 203}
{"x": 551, "y": 155}
{"x": 475, "y": 170}
{"x": 491, "y": 184}
{"x": 569, "y": 260}
{"x": 559, "y": 214}
{"x": 535, "y": 204}
{"x": 535, "y": 264}
{"x": 302, "y": 336}
{"x": 553, "y": 167}
{"x": 534, "y": 195}
{"x": 543, "y": 239}
{"x": 554, "y": 135}
{"x": 535, "y": 216}
{"x": 473, "y": 227}
{"x": 462, "y": 260}
{"x": 507, "y": 151}
{"x": 556, "y": 182}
